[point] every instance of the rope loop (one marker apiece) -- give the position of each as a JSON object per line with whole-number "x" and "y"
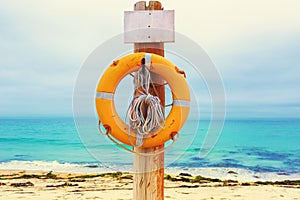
{"x": 145, "y": 112}
{"x": 100, "y": 130}
{"x": 174, "y": 140}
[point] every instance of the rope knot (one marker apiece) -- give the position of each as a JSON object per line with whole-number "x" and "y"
{"x": 145, "y": 113}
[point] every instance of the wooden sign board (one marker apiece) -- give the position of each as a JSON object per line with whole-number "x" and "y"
{"x": 149, "y": 26}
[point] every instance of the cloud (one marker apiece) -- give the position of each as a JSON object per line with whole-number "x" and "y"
{"x": 254, "y": 44}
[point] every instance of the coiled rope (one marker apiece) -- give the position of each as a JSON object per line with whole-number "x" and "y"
{"x": 145, "y": 113}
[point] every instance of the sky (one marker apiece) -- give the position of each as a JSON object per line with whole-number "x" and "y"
{"x": 255, "y": 45}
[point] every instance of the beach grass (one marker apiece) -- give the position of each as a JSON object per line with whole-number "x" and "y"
{"x": 118, "y": 186}
{"x": 182, "y": 177}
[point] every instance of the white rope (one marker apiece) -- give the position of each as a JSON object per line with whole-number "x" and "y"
{"x": 142, "y": 80}
{"x": 145, "y": 112}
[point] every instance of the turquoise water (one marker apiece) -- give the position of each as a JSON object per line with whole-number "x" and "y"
{"x": 258, "y": 145}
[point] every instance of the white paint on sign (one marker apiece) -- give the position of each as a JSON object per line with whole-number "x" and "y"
{"x": 149, "y": 26}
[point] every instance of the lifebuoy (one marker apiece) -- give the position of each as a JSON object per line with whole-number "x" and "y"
{"x": 116, "y": 72}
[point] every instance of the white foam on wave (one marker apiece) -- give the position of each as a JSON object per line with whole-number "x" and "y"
{"x": 220, "y": 173}
{"x": 238, "y": 174}
{"x": 54, "y": 166}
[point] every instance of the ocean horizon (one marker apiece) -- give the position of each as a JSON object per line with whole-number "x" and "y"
{"x": 251, "y": 149}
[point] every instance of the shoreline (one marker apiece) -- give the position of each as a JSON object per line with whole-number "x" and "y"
{"x": 118, "y": 185}
{"x": 238, "y": 174}
{"x": 181, "y": 177}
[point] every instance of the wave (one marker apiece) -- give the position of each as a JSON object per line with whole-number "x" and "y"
{"x": 239, "y": 174}
{"x": 54, "y": 166}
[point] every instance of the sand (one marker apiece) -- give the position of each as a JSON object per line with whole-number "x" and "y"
{"x": 118, "y": 186}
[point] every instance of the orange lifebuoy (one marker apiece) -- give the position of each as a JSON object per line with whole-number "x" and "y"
{"x": 116, "y": 72}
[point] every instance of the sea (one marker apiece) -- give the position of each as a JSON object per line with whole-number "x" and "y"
{"x": 247, "y": 149}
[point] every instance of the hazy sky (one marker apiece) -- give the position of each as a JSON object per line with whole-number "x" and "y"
{"x": 254, "y": 44}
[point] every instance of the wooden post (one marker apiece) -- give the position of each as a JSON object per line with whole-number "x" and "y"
{"x": 148, "y": 179}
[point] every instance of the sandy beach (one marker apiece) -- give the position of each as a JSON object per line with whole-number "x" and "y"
{"x": 118, "y": 186}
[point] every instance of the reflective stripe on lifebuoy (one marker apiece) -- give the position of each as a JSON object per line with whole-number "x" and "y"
{"x": 117, "y": 71}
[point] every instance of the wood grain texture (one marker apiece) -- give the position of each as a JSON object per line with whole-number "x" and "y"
{"x": 149, "y": 170}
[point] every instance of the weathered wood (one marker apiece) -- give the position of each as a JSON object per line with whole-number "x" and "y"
{"x": 149, "y": 170}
